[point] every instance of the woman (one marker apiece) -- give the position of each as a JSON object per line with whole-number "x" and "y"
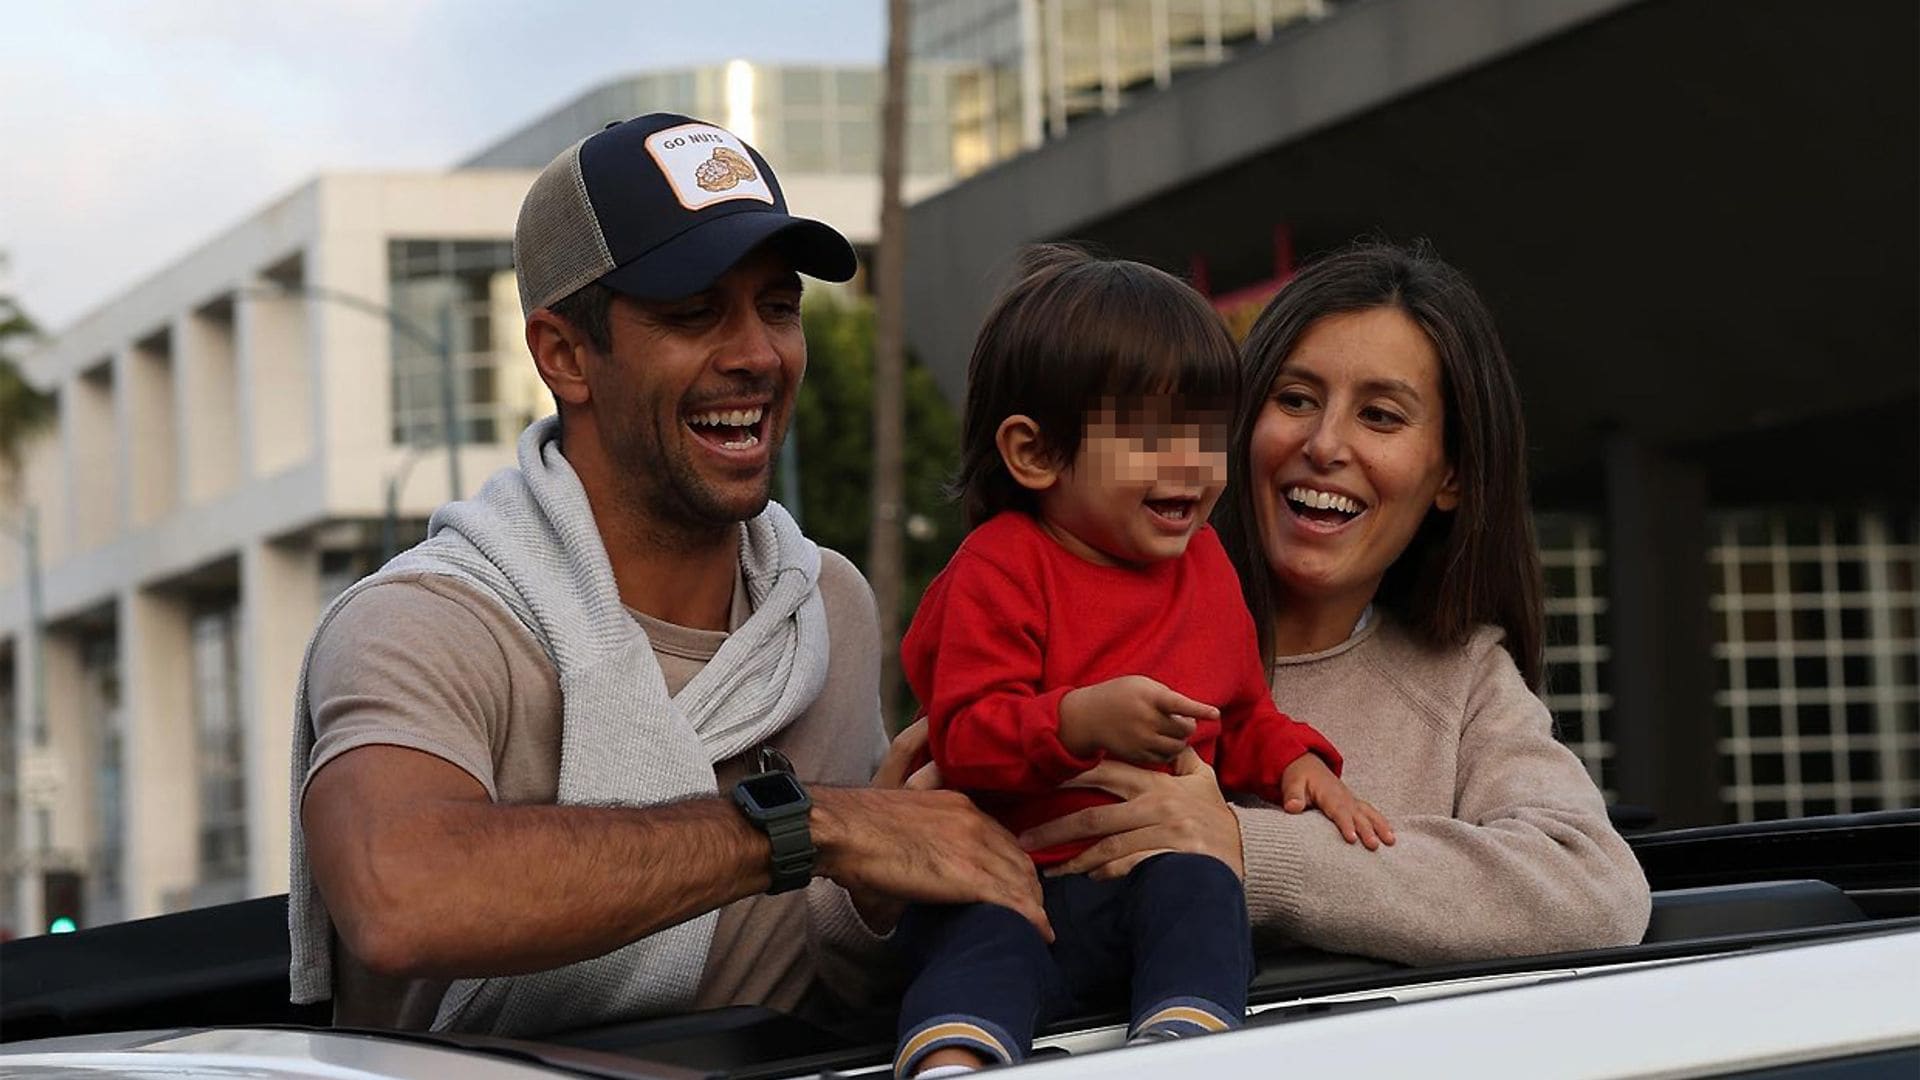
{"x": 1377, "y": 514}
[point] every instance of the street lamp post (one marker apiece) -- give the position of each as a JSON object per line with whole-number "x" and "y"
{"x": 36, "y": 662}
{"x": 36, "y": 620}
{"x": 449, "y": 434}
{"x": 29, "y": 536}
{"x": 390, "y": 523}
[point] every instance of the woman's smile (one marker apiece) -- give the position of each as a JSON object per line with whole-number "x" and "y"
{"x": 1319, "y": 508}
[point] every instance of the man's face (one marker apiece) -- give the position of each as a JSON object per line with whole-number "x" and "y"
{"x": 694, "y": 398}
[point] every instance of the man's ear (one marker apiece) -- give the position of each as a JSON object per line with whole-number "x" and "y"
{"x": 560, "y": 355}
{"x": 1024, "y": 453}
{"x": 1447, "y": 499}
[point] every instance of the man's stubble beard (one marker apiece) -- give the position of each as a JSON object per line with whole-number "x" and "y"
{"x": 664, "y": 494}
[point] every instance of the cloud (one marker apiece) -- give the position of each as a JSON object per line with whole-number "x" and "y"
{"x": 136, "y": 131}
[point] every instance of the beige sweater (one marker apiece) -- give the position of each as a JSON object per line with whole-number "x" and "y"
{"x": 1504, "y": 847}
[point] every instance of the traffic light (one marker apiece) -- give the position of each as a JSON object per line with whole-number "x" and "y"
{"x": 61, "y": 890}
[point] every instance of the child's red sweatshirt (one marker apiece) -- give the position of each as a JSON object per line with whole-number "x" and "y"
{"x": 1015, "y": 621}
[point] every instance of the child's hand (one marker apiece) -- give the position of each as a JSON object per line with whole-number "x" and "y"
{"x": 1133, "y": 718}
{"x": 1308, "y": 782}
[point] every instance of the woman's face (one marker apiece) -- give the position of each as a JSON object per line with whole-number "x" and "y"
{"x": 1348, "y": 455}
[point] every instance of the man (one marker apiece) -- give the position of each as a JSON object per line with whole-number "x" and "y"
{"x": 538, "y": 758}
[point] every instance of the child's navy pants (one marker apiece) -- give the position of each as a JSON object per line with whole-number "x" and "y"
{"x": 1176, "y": 927}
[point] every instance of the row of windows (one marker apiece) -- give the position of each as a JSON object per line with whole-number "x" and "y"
{"x": 1817, "y": 664}
{"x": 459, "y": 288}
{"x": 1088, "y": 56}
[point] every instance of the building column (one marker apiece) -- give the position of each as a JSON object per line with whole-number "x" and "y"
{"x": 1665, "y": 735}
{"x": 160, "y": 760}
{"x": 279, "y": 603}
{"x": 274, "y": 380}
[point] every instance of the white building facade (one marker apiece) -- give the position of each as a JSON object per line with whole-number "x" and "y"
{"x": 218, "y": 465}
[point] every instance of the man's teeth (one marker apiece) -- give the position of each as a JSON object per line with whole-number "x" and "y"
{"x": 1323, "y": 500}
{"x": 728, "y": 417}
{"x": 746, "y": 419}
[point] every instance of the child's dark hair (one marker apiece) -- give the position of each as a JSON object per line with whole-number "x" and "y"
{"x": 1074, "y": 329}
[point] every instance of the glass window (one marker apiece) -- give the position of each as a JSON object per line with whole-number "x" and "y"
{"x": 857, "y": 89}
{"x": 436, "y": 283}
{"x": 803, "y": 86}
{"x": 859, "y": 145}
{"x": 100, "y": 673}
{"x": 222, "y": 761}
{"x": 806, "y": 149}
{"x": 926, "y": 150}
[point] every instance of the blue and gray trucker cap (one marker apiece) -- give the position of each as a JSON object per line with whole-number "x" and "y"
{"x": 658, "y": 208}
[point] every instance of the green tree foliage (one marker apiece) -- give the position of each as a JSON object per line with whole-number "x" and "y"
{"x": 23, "y": 409}
{"x": 834, "y": 425}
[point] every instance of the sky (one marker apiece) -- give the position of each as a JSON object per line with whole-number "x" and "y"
{"x": 134, "y": 131}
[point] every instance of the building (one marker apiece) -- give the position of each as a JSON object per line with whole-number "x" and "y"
{"x": 242, "y": 435}
{"x": 1025, "y": 71}
{"x": 1696, "y": 231}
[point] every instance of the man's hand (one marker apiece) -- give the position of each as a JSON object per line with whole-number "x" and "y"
{"x": 1308, "y": 782}
{"x": 1181, "y": 811}
{"x": 1133, "y": 718}
{"x": 931, "y": 847}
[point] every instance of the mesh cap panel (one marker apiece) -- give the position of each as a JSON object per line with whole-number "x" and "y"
{"x": 557, "y": 244}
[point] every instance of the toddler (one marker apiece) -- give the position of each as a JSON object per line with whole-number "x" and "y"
{"x": 1092, "y": 613}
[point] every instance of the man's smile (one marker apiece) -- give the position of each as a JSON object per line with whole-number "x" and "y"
{"x": 733, "y": 429}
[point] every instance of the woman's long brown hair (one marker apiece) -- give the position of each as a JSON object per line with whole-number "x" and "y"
{"x": 1477, "y": 564}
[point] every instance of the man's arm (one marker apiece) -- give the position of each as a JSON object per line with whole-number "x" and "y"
{"x": 425, "y": 877}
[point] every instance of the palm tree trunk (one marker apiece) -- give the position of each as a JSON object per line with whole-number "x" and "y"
{"x": 885, "y": 564}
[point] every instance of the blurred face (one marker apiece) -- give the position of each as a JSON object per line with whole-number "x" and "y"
{"x": 696, "y": 394}
{"x": 1143, "y": 482}
{"x": 1348, "y": 456}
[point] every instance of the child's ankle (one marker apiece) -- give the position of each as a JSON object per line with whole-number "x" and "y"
{"x": 949, "y": 1056}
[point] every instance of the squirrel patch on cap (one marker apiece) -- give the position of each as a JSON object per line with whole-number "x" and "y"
{"x": 723, "y": 171}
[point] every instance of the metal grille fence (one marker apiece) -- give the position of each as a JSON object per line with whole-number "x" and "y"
{"x": 1577, "y": 652}
{"x": 1819, "y": 663}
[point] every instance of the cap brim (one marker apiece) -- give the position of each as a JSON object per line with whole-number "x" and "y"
{"x": 697, "y": 258}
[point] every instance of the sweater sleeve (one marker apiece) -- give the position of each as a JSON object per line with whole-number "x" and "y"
{"x": 1258, "y": 742}
{"x": 1527, "y": 863}
{"x": 850, "y": 959}
{"x": 975, "y": 656}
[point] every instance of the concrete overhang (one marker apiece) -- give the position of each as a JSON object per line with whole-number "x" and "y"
{"x": 1695, "y": 222}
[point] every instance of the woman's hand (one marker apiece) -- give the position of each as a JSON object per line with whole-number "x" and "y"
{"x": 1309, "y": 783}
{"x": 1181, "y": 811}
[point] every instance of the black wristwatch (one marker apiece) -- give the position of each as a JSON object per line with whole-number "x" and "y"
{"x": 776, "y": 803}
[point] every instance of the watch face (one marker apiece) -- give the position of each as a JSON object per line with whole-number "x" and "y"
{"x": 773, "y": 791}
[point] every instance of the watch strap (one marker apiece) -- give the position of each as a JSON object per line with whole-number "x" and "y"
{"x": 793, "y": 851}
